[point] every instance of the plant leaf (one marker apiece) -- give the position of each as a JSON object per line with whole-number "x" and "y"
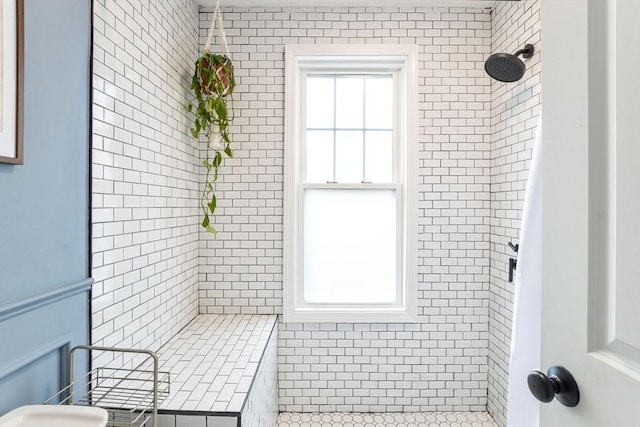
{"x": 228, "y": 151}
{"x": 221, "y": 108}
{"x": 225, "y": 136}
{"x": 212, "y": 204}
{"x": 217, "y": 161}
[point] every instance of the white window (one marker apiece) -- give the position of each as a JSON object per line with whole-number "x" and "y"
{"x": 350, "y": 249}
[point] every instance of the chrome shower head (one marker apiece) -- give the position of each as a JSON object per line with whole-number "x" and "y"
{"x": 508, "y": 68}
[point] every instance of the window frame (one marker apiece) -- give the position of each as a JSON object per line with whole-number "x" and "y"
{"x": 351, "y": 59}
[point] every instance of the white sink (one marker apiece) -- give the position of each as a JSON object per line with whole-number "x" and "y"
{"x": 55, "y": 416}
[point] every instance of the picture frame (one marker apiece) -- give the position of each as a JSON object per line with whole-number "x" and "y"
{"x": 11, "y": 81}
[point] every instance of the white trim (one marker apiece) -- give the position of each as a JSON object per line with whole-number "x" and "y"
{"x": 410, "y": 182}
{"x": 354, "y": 186}
{"x": 352, "y": 316}
{"x": 291, "y": 171}
{"x": 404, "y": 60}
{"x": 477, "y": 4}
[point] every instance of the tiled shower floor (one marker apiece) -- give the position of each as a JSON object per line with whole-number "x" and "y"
{"x": 417, "y": 419}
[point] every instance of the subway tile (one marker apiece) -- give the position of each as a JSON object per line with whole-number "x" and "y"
{"x": 128, "y": 96}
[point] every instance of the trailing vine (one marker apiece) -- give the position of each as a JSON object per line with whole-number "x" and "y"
{"x": 213, "y": 81}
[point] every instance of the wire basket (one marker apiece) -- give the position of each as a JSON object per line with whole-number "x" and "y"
{"x": 131, "y": 396}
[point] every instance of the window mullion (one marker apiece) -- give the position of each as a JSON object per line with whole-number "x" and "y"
{"x": 351, "y": 186}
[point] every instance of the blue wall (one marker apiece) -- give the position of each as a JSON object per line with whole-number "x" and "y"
{"x": 44, "y": 284}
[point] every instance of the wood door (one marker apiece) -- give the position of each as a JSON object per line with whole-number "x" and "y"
{"x": 591, "y": 208}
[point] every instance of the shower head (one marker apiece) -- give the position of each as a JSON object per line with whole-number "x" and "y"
{"x": 508, "y": 68}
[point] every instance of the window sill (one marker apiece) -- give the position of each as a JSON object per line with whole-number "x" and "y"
{"x": 337, "y": 316}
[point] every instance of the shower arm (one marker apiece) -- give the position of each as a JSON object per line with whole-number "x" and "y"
{"x": 526, "y": 52}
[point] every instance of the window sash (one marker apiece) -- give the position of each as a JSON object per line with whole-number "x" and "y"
{"x": 364, "y": 72}
{"x": 400, "y": 252}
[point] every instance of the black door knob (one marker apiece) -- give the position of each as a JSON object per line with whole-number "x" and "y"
{"x": 558, "y": 383}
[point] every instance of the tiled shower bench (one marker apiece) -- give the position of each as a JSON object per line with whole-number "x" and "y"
{"x": 223, "y": 373}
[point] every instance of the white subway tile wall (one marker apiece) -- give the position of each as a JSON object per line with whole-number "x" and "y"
{"x": 438, "y": 364}
{"x": 155, "y": 268}
{"x": 261, "y": 407}
{"x": 144, "y": 173}
{"x": 378, "y": 367}
{"x": 515, "y": 108}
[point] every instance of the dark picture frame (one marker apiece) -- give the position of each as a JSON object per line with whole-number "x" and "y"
{"x": 12, "y": 82}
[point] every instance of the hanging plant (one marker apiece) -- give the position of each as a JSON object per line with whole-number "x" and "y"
{"x": 212, "y": 83}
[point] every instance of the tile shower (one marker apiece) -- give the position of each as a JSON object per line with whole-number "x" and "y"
{"x": 155, "y": 269}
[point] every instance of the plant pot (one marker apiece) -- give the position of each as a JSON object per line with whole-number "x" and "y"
{"x": 217, "y": 76}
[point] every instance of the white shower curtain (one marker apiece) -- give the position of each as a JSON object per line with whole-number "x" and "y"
{"x": 522, "y": 407}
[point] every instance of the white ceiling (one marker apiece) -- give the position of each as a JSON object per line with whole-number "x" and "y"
{"x": 349, "y": 3}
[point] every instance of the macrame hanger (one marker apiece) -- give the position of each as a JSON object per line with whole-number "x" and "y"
{"x": 217, "y": 14}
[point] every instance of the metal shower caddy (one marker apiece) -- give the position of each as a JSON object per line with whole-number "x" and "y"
{"x": 131, "y": 396}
